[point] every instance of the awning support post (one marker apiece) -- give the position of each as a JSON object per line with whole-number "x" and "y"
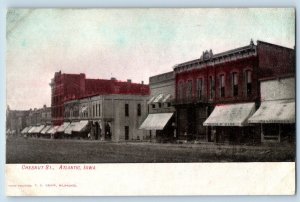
{"x": 279, "y": 132}
{"x": 262, "y": 133}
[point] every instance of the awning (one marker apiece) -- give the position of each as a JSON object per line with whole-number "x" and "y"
{"x": 25, "y": 130}
{"x": 80, "y": 126}
{"x": 38, "y": 129}
{"x": 230, "y": 115}
{"x": 274, "y": 112}
{"x": 52, "y": 130}
{"x": 151, "y": 100}
{"x": 84, "y": 109}
{"x": 45, "y": 129}
{"x": 71, "y": 127}
{"x": 156, "y": 121}
{"x": 158, "y": 98}
{"x": 31, "y": 130}
{"x": 167, "y": 98}
{"x": 63, "y": 127}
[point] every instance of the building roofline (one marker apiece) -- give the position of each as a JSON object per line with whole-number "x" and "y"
{"x": 218, "y": 55}
{"x": 258, "y": 42}
{"x": 291, "y": 75}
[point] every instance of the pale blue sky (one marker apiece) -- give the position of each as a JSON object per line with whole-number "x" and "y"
{"x": 125, "y": 43}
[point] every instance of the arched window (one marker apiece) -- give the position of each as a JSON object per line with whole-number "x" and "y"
{"x": 222, "y": 85}
{"x": 235, "y": 88}
{"x": 248, "y": 81}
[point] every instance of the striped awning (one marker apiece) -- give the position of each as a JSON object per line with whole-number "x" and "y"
{"x": 230, "y": 115}
{"x": 275, "y": 112}
{"x": 156, "y": 121}
{"x": 63, "y": 127}
{"x": 45, "y": 129}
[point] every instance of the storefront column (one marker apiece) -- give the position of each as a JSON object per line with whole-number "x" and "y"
{"x": 262, "y": 133}
{"x": 279, "y": 135}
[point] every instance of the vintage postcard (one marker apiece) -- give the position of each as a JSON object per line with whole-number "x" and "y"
{"x": 145, "y": 102}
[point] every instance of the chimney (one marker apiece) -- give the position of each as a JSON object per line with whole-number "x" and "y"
{"x": 129, "y": 80}
{"x": 142, "y": 82}
{"x": 113, "y": 78}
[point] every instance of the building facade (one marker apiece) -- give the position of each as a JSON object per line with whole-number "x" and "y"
{"x": 110, "y": 117}
{"x": 160, "y": 121}
{"x": 65, "y": 87}
{"x": 230, "y": 77}
{"x": 276, "y": 114}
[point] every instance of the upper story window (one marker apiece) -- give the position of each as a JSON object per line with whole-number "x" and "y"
{"x": 159, "y": 105}
{"x": 139, "y": 110}
{"x": 235, "y": 89}
{"x": 211, "y": 87}
{"x": 248, "y": 82}
{"x": 180, "y": 90}
{"x": 199, "y": 87}
{"x": 153, "y": 106}
{"x": 222, "y": 85}
{"x": 189, "y": 89}
{"x": 126, "y": 110}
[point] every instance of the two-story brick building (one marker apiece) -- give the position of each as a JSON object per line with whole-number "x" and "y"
{"x": 225, "y": 79}
{"x": 65, "y": 87}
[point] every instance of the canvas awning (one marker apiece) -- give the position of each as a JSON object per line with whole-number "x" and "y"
{"x": 156, "y": 121}
{"x": 52, "y": 130}
{"x": 230, "y": 115}
{"x": 167, "y": 98}
{"x": 71, "y": 127}
{"x": 80, "y": 126}
{"x": 84, "y": 109}
{"x": 38, "y": 129}
{"x": 25, "y": 130}
{"x": 151, "y": 100}
{"x": 32, "y": 129}
{"x": 274, "y": 112}
{"x": 45, "y": 129}
{"x": 63, "y": 127}
{"x": 158, "y": 98}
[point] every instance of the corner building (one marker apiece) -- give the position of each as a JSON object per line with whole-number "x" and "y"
{"x": 227, "y": 78}
{"x": 67, "y": 87}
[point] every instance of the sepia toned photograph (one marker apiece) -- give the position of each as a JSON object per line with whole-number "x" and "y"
{"x": 150, "y": 85}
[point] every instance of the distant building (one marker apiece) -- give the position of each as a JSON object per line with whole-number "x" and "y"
{"x": 65, "y": 87}
{"x": 216, "y": 93}
{"x": 160, "y": 121}
{"x": 15, "y": 121}
{"x": 109, "y": 117}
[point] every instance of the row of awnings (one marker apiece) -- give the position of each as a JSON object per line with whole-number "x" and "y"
{"x": 244, "y": 114}
{"x": 66, "y": 127}
{"x": 234, "y": 115}
{"x": 161, "y": 98}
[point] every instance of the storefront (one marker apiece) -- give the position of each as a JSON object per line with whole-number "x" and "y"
{"x": 276, "y": 119}
{"x": 160, "y": 124}
{"x": 229, "y": 123}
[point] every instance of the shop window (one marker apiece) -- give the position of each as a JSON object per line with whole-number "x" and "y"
{"x": 126, "y": 132}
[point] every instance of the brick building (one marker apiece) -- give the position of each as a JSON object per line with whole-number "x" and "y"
{"x": 226, "y": 78}
{"x": 65, "y": 87}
